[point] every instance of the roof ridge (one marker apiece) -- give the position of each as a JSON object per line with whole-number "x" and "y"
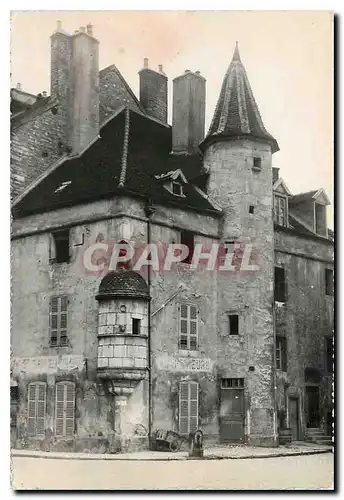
{"x": 125, "y": 148}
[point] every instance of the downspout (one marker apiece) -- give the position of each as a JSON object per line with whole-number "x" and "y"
{"x": 149, "y": 211}
{"x": 274, "y": 376}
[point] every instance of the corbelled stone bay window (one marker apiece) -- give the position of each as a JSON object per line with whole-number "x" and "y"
{"x": 122, "y": 321}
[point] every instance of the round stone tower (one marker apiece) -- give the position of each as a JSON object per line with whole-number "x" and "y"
{"x": 237, "y": 155}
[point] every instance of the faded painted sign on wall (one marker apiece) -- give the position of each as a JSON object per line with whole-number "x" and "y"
{"x": 183, "y": 364}
{"x": 47, "y": 364}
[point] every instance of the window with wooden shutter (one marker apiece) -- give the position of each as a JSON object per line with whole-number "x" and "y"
{"x": 188, "y": 407}
{"x": 188, "y": 329}
{"x": 64, "y": 409}
{"x": 36, "y": 409}
{"x": 58, "y": 321}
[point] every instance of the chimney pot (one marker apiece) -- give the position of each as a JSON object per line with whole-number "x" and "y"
{"x": 89, "y": 29}
{"x": 19, "y": 87}
{"x": 197, "y": 72}
{"x": 59, "y": 25}
{"x": 82, "y": 29}
{"x": 187, "y": 71}
{"x": 160, "y": 68}
{"x": 145, "y": 62}
{"x": 44, "y": 93}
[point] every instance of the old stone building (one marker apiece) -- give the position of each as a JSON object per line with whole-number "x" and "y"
{"x": 105, "y": 353}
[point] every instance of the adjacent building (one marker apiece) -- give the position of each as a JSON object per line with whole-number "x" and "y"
{"x": 105, "y": 353}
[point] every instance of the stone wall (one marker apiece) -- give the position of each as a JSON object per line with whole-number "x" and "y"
{"x": 306, "y": 318}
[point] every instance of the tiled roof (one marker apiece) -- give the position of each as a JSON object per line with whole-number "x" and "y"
{"x": 123, "y": 283}
{"x": 297, "y": 198}
{"x": 97, "y": 172}
{"x": 40, "y": 106}
{"x": 237, "y": 113}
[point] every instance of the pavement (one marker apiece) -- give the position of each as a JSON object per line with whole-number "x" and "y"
{"x": 296, "y": 448}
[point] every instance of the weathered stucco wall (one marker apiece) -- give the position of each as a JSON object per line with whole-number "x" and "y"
{"x": 305, "y": 319}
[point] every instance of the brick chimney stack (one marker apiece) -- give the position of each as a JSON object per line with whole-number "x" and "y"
{"x": 153, "y": 91}
{"x": 75, "y": 81}
{"x": 188, "y": 112}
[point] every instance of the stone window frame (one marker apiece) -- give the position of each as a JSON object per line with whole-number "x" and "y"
{"x": 189, "y": 321}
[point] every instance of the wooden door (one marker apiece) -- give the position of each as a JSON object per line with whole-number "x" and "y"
{"x": 312, "y": 406}
{"x": 232, "y": 410}
{"x": 294, "y": 418}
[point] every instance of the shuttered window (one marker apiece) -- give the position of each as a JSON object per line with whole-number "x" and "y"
{"x": 188, "y": 407}
{"x": 58, "y": 321}
{"x": 64, "y": 409}
{"x": 36, "y": 409}
{"x": 188, "y": 331}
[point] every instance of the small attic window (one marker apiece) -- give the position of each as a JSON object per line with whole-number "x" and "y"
{"x": 257, "y": 163}
{"x": 177, "y": 189}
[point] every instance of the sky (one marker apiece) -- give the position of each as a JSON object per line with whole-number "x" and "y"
{"x": 288, "y": 56}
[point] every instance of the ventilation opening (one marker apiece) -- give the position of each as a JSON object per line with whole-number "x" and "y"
{"x": 233, "y": 324}
{"x": 251, "y": 209}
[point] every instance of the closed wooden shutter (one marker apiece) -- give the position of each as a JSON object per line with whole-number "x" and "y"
{"x": 184, "y": 408}
{"x": 36, "y": 409}
{"x": 64, "y": 409}
{"x": 188, "y": 407}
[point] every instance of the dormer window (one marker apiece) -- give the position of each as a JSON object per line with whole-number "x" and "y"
{"x": 173, "y": 182}
{"x": 177, "y": 189}
{"x": 320, "y": 219}
{"x": 280, "y": 210}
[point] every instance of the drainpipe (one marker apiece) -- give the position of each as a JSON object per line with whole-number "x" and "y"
{"x": 149, "y": 211}
{"x": 274, "y": 376}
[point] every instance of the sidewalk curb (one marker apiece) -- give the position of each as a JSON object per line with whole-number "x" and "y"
{"x": 54, "y": 456}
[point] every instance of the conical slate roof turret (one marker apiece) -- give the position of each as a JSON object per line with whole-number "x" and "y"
{"x": 237, "y": 113}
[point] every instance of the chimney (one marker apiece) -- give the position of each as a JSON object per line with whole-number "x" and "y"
{"x": 75, "y": 81}
{"x": 153, "y": 91}
{"x": 18, "y": 87}
{"x": 275, "y": 174}
{"x": 188, "y": 112}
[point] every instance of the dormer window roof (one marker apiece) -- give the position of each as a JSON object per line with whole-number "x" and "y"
{"x": 173, "y": 182}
